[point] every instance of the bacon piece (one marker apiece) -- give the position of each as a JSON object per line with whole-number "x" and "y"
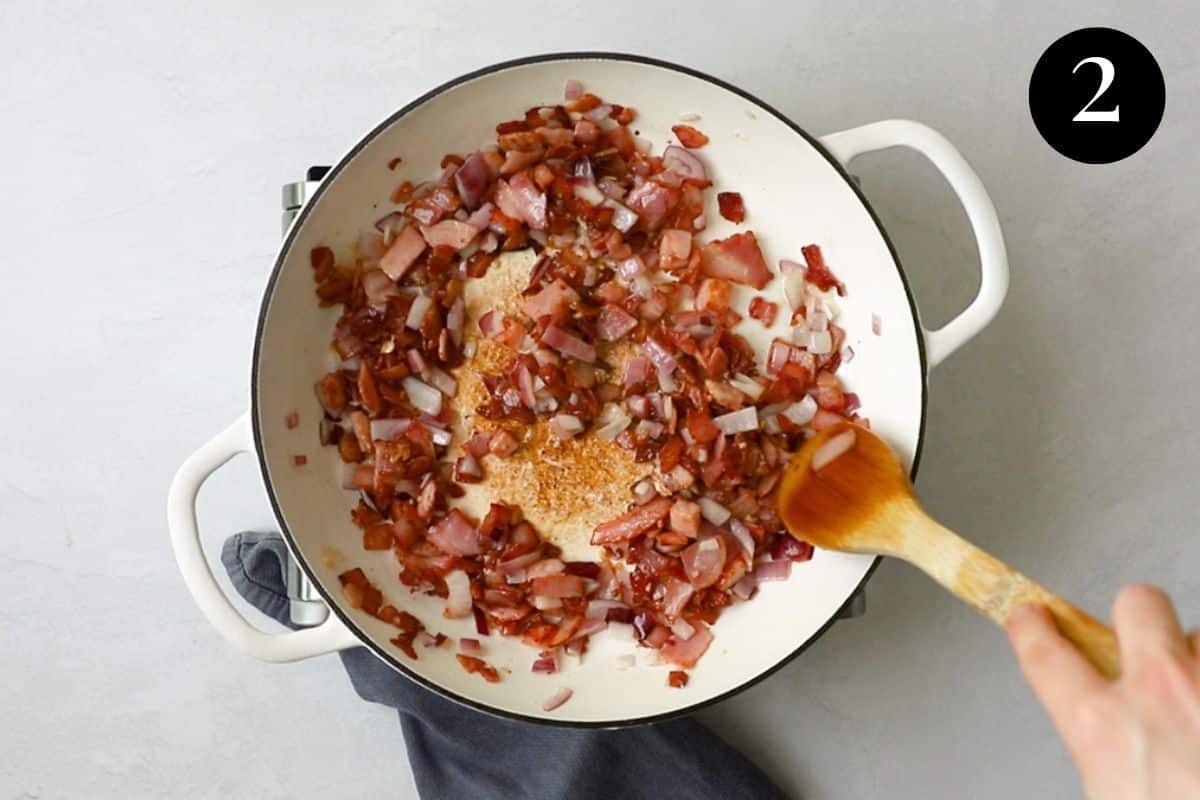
{"x": 403, "y": 253}
{"x": 652, "y": 202}
{"x": 687, "y": 652}
{"x": 818, "y": 273}
{"x": 689, "y": 137}
{"x": 737, "y": 258}
{"x": 731, "y": 206}
{"x": 559, "y": 586}
{"x": 703, "y": 561}
{"x": 455, "y": 534}
{"x": 551, "y": 301}
{"x": 449, "y": 233}
{"x": 639, "y": 520}
{"x": 614, "y": 322}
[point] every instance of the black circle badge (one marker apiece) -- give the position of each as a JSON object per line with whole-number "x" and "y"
{"x": 1097, "y": 95}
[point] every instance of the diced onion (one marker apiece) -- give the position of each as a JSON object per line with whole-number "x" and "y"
{"x": 742, "y": 534}
{"x": 416, "y": 313}
{"x": 458, "y": 599}
{"x": 386, "y": 430}
{"x": 801, "y": 413}
{"x": 740, "y": 421}
{"x": 557, "y": 699}
{"x": 832, "y": 449}
{"x": 747, "y": 386}
{"x": 820, "y": 342}
{"x": 623, "y": 218}
{"x": 793, "y": 289}
{"x": 423, "y": 396}
{"x": 442, "y": 381}
{"x": 713, "y": 511}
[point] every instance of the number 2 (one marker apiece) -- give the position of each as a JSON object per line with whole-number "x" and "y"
{"x": 1107, "y": 72}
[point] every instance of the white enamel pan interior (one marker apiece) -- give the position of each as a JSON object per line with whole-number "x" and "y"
{"x": 796, "y": 192}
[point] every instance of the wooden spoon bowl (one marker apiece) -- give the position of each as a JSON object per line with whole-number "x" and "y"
{"x": 846, "y": 490}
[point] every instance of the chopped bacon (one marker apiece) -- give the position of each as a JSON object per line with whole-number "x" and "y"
{"x": 449, "y": 233}
{"x": 455, "y": 534}
{"x": 559, "y": 586}
{"x": 686, "y": 653}
{"x": 475, "y": 665}
{"x": 818, "y": 273}
{"x": 674, "y": 249}
{"x": 703, "y": 561}
{"x": 568, "y": 344}
{"x": 685, "y": 517}
{"x": 737, "y": 258}
{"x": 614, "y": 322}
{"x": 763, "y": 310}
{"x": 652, "y": 201}
{"x": 403, "y": 253}
{"x": 731, "y": 206}
{"x": 689, "y": 137}
{"x": 713, "y": 294}
{"x": 639, "y": 520}
{"x": 551, "y": 301}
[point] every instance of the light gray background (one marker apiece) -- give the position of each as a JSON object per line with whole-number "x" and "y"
{"x": 143, "y": 147}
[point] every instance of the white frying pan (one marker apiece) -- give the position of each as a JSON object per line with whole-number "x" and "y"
{"x": 796, "y": 191}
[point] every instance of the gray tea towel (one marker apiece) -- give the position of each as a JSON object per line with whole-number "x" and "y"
{"x": 458, "y": 752}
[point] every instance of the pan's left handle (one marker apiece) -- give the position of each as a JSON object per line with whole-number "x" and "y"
{"x": 329, "y": 636}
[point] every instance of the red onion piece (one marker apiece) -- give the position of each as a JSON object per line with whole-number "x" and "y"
{"x": 557, "y": 699}
{"x": 745, "y": 586}
{"x": 742, "y": 534}
{"x": 876, "y": 324}
{"x": 454, "y": 534}
{"x": 491, "y": 324}
{"x": 546, "y": 666}
{"x": 519, "y": 563}
{"x": 392, "y": 223}
{"x": 468, "y": 645}
{"x": 471, "y": 180}
{"x": 772, "y": 571}
{"x": 685, "y": 163}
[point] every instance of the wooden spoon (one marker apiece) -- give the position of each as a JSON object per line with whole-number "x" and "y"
{"x": 845, "y": 490}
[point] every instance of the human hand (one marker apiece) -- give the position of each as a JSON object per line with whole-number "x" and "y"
{"x": 1134, "y": 738}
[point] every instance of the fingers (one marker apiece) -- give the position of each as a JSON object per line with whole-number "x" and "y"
{"x": 1059, "y": 675}
{"x": 1194, "y": 641}
{"x": 1146, "y": 624}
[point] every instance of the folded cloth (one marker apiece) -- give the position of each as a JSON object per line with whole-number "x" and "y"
{"x": 458, "y": 752}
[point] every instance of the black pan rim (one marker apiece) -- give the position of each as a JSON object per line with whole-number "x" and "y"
{"x": 285, "y": 249}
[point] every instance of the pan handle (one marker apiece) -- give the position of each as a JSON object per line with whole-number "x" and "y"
{"x": 327, "y": 637}
{"x": 993, "y": 261}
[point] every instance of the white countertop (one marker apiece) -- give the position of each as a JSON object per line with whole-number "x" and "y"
{"x": 144, "y": 146}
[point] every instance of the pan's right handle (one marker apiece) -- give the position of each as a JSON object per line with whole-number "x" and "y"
{"x": 329, "y": 636}
{"x": 993, "y": 260}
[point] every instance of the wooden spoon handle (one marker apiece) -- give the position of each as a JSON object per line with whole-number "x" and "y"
{"x": 995, "y": 588}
